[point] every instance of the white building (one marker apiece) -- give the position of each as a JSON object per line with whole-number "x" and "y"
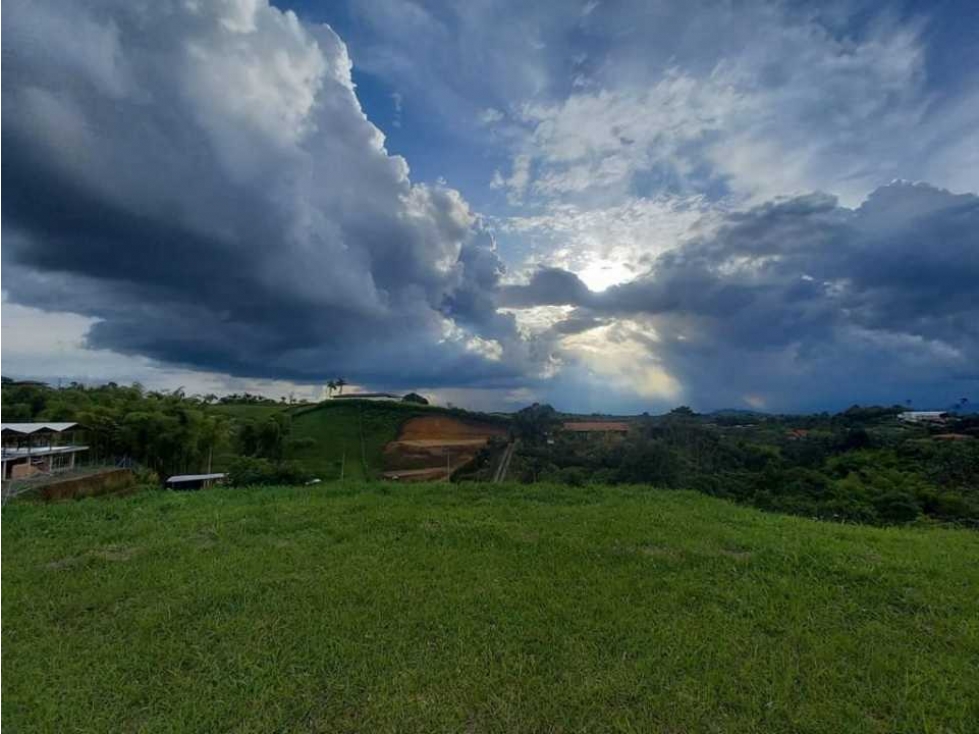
{"x": 32, "y": 449}
{"x": 923, "y": 416}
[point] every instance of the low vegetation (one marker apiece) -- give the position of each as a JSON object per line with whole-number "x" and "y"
{"x": 483, "y": 608}
{"x": 857, "y": 466}
{"x": 861, "y": 465}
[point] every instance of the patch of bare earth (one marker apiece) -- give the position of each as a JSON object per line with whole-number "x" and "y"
{"x": 431, "y": 447}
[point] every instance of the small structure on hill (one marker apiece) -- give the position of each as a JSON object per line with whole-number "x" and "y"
{"x": 194, "y": 481}
{"x": 34, "y": 449}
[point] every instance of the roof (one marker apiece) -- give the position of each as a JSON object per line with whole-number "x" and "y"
{"x": 37, "y": 451}
{"x": 952, "y": 437}
{"x": 180, "y": 478}
{"x": 597, "y": 427}
{"x": 27, "y": 429}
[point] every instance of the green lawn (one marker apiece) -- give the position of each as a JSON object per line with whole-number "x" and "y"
{"x": 482, "y": 608}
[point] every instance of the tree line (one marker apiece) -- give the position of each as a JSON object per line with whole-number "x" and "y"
{"x": 855, "y": 466}
{"x": 167, "y": 432}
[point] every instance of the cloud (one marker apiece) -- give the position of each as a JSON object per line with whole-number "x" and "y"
{"x": 803, "y": 109}
{"x": 547, "y": 287}
{"x": 201, "y": 181}
{"x": 515, "y": 184}
{"x": 199, "y": 184}
{"x": 610, "y": 244}
{"x": 51, "y": 347}
{"x": 490, "y": 116}
{"x": 801, "y": 302}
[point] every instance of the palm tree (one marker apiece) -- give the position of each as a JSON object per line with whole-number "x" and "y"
{"x": 330, "y": 387}
{"x": 340, "y": 383}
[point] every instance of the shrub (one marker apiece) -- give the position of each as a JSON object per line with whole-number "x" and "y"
{"x": 146, "y": 478}
{"x": 573, "y": 476}
{"x": 896, "y": 507}
{"x": 249, "y": 471}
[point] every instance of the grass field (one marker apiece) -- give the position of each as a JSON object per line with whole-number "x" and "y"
{"x": 438, "y": 608}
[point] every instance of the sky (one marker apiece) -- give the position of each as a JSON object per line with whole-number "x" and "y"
{"x": 608, "y": 206}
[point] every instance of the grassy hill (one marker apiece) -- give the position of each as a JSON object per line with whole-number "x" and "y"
{"x": 480, "y": 608}
{"x": 350, "y": 431}
{"x": 357, "y": 430}
{"x": 324, "y": 436}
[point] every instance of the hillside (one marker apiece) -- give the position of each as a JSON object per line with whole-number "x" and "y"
{"x": 367, "y": 607}
{"x": 351, "y": 432}
{"x": 357, "y": 431}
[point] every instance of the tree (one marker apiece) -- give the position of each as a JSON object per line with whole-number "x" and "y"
{"x": 340, "y": 382}
{"x": 250, "y": 471}
{"x": 330, "y": 387}
{"x": 535, "y": 422}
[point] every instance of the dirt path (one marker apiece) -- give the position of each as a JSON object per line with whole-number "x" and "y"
{"x": 504, "y": 466}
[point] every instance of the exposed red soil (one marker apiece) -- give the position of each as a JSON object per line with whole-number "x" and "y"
{"x": 431, "y": 447}
{"x": 445, "y": 427}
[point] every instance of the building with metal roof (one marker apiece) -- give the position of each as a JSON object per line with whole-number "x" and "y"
{"x": 27, "y": 429}
{"x": 36, "y": 449}
{"x": 194, "y": 481}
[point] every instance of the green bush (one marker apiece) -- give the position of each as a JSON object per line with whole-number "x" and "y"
{"x": 248, "y": 471}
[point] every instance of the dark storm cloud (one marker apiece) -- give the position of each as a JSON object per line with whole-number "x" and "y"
{"x": 547, "y": 287}
{"x": 203, "y": 181}
{"x": 806, "y": 302}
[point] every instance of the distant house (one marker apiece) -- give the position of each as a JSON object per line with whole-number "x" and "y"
{"x": 796, "y": 434}
{"x": 32, "y": 449}
{"x": 194, "y": 481}
{"x": 377, "y": 396}
{"x": 923, "y": 416}
{"x": 597, "y": 428}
